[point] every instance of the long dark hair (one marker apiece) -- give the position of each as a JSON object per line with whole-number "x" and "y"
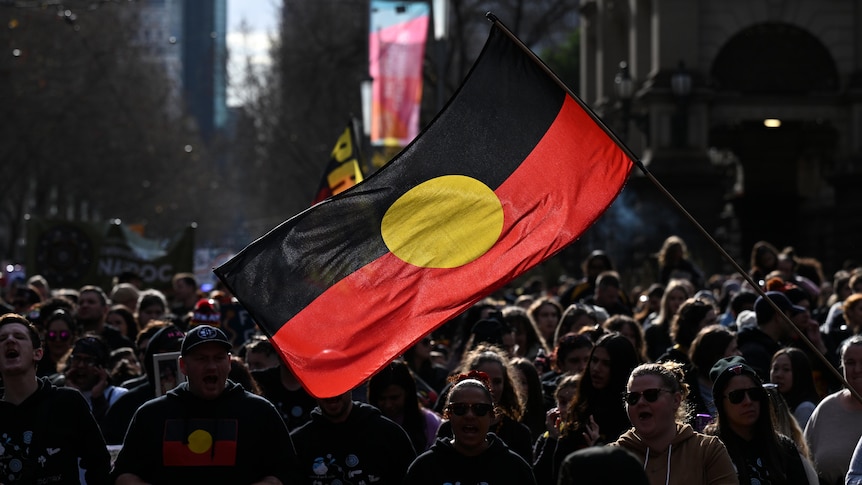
{"x": 397, "y": 373}
{"x": 766, "y": 438}
{"x": 802, "y": 389}
{"x": 603, "y": 402}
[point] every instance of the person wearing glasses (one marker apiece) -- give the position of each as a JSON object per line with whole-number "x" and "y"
{"x": 670, "y": 451}
{"x": 87, "y": 371}
{"x": 744, "y": 424}
{"x": 60, "y": 332}
{"x": 473, "y": 454}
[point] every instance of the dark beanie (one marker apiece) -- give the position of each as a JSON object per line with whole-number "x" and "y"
{"x": 726, "y": 368}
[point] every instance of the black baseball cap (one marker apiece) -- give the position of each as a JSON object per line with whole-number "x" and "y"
{"x": 203, "y": 334}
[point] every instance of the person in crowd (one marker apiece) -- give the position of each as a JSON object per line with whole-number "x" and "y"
{"x": 744, "y": 424}
{"x": 607, "y": 295}
{"x": 152, "y": 305}
{"x": 741, "y": 301}
{"x": 507, "y": 423}
{"x": 474, "y": 454}
{"x": 674, "y": 263}
{"x": 764, "y": 260}
{"x": 594, "y": 264}
{"x": 87, "y": 371}
{"x": 576, "y": 317}
{"x": 791, "y": 373}
{"x": 185, "y": 293}
{"x": 49, "y": 434}
{"x": 125, "y": 294}
{"x": 693, "y": 315}
{"x": 785, "y": 424}
{"x": 597, "y": 414}
{"x": 141, "y": 343}
{"x": 854, "y": 474}
{"x": 760, "y": 343}
{"x": 348, "y": 441}
{"x": 649, "y": 303}
{"x": 711, "y": 344}
{"x": 280, "y": 386}
{"x": 208, "y": 429}
{"x": 123, "y": 320}
{"x": 418, "y": 358}
{"x": 167, "y": 338}
{"x": 629, "y": 328}
{"x": 92, "y": 313}
{"x": 529, "y": 388}
{"x": 528, "y": 341}
{"x": 545, "y": 313}
{"x": 393, "y": 391}
{"x": 657, "y": 328}
{"x": 240, "y": 374}
{"x": 836, "y": 424}
{"x": 600, "y": 465}
{"x": 671, "y": 452}
{"x": 123, "y": 365}
{"x": 570, "y": 357}
{"x": 60, "y": 332}
{"x": 260, "y": 354}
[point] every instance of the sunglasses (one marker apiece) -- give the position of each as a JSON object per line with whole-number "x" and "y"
{"x": 754, "y": 393}
{"x": 461, "y": 408}
{"x": 651, "y": 395}
{"x": 61, "y": 336}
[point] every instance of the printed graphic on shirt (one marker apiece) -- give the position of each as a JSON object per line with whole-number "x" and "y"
{"x": 16, "y": 456}
{"x": 200, "y": 442}
{"x": 327, "y": 470}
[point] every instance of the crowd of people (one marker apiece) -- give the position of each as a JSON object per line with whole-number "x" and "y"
{"x": 686, "y": 379}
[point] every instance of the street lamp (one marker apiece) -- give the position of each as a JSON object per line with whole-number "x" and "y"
{"x": 680, "y": 86}
{"x": 624, "y": 88}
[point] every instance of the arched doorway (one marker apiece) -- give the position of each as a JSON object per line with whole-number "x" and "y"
{"x": 781, "y": 66}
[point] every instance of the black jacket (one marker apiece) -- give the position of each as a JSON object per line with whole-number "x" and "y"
{"x": 44, "y": 437}
{"x": 498, "y": 465}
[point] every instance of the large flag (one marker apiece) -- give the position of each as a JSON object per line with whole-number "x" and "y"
{"x": 510, "y": 172}
{"x": 343, "y": 170}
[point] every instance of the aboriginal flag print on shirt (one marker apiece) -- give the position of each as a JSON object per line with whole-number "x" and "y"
{"x": 200, "y": 442}
{"x": 510, "y": 172}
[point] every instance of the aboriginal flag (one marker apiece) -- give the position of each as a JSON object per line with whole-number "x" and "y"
{"x": 199, "y": 442}
{"x": 510, "y": 172}
{"x": 343, "y": 170}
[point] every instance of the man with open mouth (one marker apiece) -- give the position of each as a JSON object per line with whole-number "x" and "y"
{"x": 48, "y": 432}
{"x": 208, "y": 429}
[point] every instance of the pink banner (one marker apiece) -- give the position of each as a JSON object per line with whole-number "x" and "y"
{"x": 396, "y": 55}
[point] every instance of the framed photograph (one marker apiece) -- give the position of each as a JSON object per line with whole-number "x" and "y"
{"x": 167, "y": 370}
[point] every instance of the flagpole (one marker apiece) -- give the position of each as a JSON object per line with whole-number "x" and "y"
{"x": 636, "y": 160}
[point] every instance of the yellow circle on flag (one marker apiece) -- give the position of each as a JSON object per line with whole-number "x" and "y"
{"x": 444, "y": 222}
{"x": 200, "y": 441}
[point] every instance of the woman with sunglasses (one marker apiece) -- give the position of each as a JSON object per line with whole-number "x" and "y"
{"x": 744, "y": 423}
{"x": 60, "y": 332}
{"x": 473, "y": 454}
{"x": 670, "y": 450}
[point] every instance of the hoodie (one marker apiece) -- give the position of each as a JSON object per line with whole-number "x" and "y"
{"x": 45, "y": 437}
{"x": 180, "y": 438}
{"x": 119, "y": 415}
{"x": 366, "y": 448}
{"x": 690, "y": 458}
{"x": 497, "y": 465}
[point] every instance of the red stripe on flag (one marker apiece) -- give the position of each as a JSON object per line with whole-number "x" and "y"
{"x": 556, "y": 193}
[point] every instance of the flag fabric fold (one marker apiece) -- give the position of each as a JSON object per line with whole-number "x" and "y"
{"x": 512, "y": 170}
